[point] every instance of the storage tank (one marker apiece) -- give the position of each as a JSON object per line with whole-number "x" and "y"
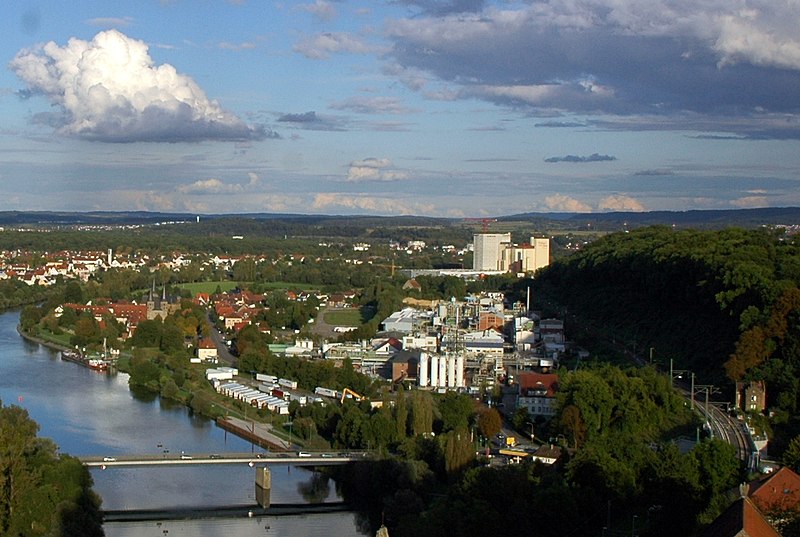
{"x": 451, "y": 371}
{"x": 460, "y": 371}
{"x": 442, "y": 372}
{"x": 423, "y": 369}
{"x": 434, "y": 370}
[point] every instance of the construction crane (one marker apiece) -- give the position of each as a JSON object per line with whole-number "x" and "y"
{"x": 484, "y": 222}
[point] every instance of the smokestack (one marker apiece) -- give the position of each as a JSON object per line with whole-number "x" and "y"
{"x": 528, "y": 301}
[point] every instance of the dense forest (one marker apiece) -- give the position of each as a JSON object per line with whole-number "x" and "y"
{"x": 724, "y": 304}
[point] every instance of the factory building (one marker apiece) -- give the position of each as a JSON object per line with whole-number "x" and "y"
{"x": 496, "y": 252}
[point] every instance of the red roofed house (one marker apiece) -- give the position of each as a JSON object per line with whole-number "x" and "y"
{"x": 780, "y": 492}
{"x": 206, "y": 350}
{"x": 537, "y": 393}
{"x": 741, "y": 519}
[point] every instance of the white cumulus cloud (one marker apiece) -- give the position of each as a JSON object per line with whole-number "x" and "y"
{"x": 109, "y": 89}
{"x": 209, "y": 186}
{"x": 322, "y": 46}
{"x": 371, "y": 204}
{"x": 562, "y": 203}
{"x": 620, "y": 203}
{"x": 374, "y": 169}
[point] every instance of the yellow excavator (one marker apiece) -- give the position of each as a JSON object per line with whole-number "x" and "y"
{"x": 348, "y": 392}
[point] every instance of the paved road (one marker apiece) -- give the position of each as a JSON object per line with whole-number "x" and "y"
{"x": 223, "y": 354}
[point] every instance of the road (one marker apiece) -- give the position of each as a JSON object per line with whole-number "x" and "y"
{"x": 223, "y": 354}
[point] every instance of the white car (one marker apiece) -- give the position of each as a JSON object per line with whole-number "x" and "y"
{"x": 109, "y": 459}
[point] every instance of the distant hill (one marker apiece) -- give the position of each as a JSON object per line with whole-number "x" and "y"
{"x": 702, "y": 219}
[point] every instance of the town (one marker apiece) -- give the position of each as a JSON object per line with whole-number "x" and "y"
{"x": 355, "y": 346}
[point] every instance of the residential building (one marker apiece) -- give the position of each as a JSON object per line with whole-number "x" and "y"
{"x": 206, "y": 350}
{"x": 751, "y": 397}
{"x": 537, "y": 393}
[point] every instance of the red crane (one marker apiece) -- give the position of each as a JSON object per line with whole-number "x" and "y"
{"x": 484, "y": 222}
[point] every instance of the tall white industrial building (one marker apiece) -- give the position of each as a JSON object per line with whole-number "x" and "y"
{"x": 488, "y": 254}
{"x": 496, "y": 252}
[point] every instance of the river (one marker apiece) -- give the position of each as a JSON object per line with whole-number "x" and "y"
{"x": 91, "y": 413}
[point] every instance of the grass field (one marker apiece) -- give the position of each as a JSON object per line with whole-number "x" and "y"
{"x": 208, "y": 287}
{"x": 348, "y": 317}
{"x": 211, "y": 287}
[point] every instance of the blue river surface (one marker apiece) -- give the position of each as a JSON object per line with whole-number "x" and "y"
{"x": 86, "y": 412}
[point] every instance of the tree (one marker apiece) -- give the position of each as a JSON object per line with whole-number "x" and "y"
{"x": 87, "y": 330}
{"x": 458, "y": 450}
{"x": 456, "y": 411}
{"x": 489, "y": 422}
{"x": 29, "y": 317}
{"x": 401, "y": 413}
{"x": 147, "y": 334}
{"x": 73, "y": 293}
{"x": 42, "y": 492}
{"x": 791, "y": 456}
{"x": 421, "y": 413}
{"x": 171, "y": 337}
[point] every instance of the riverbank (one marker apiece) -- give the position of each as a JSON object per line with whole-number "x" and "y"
{"x": 258, "y": 433}
{"x": 41, "y": 341}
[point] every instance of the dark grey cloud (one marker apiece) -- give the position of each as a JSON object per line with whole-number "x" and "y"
{"x": 560, "y": 124}
{"x": 313, "y": 121}
{"x": 445, "y": 7}
{"x": 594, "y": 157}
{"x": 653, "y": 173}
{"x": 616, "y": 58}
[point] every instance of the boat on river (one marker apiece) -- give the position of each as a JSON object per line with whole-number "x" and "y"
{"x": 96, "y": 363}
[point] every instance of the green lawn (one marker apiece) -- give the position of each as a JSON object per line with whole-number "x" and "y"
{"x": 208, "y": 287}
{"x": 348, "y": 317}
{"x": 211, "y": 287}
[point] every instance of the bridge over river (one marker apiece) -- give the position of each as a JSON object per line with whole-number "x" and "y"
{"x": 295, "y": 458}
{"x": 259, "y": 461}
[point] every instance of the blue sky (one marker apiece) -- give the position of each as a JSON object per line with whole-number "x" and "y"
{"x": 455, "y": 108}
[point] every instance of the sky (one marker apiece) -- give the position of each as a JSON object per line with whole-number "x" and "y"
{"x": 446, "y": 108}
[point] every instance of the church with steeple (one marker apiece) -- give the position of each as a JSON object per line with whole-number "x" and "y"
{"x": 160, "y": 306}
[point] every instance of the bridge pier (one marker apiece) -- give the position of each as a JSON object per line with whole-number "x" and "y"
{"x": 263, "y": 486}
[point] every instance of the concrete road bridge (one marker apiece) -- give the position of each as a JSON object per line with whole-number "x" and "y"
{"x": 295, "y": 458}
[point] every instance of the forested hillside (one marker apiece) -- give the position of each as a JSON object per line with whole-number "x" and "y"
{"x": 724, "y": 304}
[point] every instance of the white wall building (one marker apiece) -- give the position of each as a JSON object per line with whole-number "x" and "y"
{"x": 488, "y": 250}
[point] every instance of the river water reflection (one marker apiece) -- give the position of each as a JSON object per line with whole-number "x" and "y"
{"x": 90, "y": 413}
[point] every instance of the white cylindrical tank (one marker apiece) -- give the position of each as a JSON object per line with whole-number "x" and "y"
{"x": 423, "y": 369}
{"x": 460, "y": 371}
{"x": 442, "y": 372}
{"x": 434, "y": 370}
{"x": 451, "y": 371}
